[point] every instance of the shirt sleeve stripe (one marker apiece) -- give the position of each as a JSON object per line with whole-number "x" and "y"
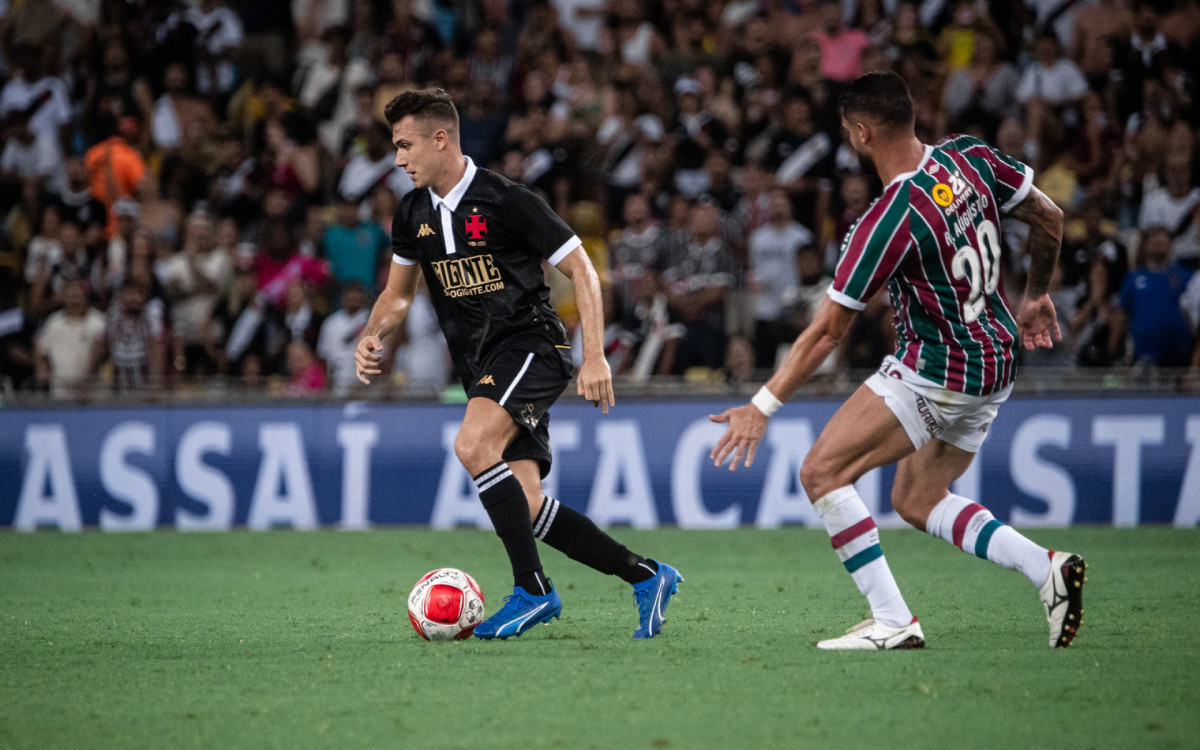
{"x": 402, "y": 260}
{"x": 844, "y": 300}
{"x": 861, "y": 235}
{"x": 565, "y": 250}
{"x": 1022, "y": 191}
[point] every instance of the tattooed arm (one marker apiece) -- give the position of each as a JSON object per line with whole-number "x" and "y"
{"x": 1045, "y": 222}
{"x": 1037, "y": 323}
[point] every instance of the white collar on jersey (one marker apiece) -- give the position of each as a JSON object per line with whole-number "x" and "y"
{"x": 455, "y": 196}
{"x": 906, "y": 175}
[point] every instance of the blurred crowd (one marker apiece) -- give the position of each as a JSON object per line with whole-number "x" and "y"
{"x": 201, "y": 193}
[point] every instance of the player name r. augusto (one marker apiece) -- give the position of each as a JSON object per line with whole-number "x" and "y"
{"x": 464, "y": 277}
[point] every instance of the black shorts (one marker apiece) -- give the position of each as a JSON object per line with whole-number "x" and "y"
{"x": 525, "y": 384}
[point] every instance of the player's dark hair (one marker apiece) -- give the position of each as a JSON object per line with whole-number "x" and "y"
{"x": 881, "y": 96}
{"x": 427, "y": 106}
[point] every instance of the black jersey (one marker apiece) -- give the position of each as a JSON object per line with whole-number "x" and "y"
{"x": 481, "y": 249}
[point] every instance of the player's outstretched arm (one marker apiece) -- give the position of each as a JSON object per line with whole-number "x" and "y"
{"x": 748, "y": 423}
{"x": 594, "y": 381}
{"x": 386, "y": 316}
{"x": 1037, "y": 323}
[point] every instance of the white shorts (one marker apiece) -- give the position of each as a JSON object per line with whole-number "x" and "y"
{"x": 929, "y": 411}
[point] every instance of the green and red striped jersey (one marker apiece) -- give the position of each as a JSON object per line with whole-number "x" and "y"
{"x": 933, "y": 236}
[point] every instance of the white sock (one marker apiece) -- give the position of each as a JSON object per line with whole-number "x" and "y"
{"x": 856, "y": 541}
{"x": 972, "y": 528}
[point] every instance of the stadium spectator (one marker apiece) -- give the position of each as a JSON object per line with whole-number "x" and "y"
{"x": 118, "y": 94}
{"x": 74, "y": 265}
{"x": 134, "y": 336}
{"x": 983, "y": 92}
{"x": 178, "y": 114}
{"x": 215, "y": 31}
{"x": 423, "y": 360}
{"x": 329, "y": 84}
{"x": 696, "y": 130}
{"x": 1176, "y": 206}
{"x": 355, "y": 248}
{"x": 1049, "y": 89}
{"x": 17, "y": 359}
{"x": 1150, "y": 297}
{"x": 114, "y": 168}
{"x": 637, "y": 254}
{"x": 30, "y": 159}
{"x": 841, "y": 46}
{"x": 1099, "y": 242}
{"x": 68, "y": 346}
{"x": 1098, "y": 325}
{"x": 193, "y": 278}
{"x": 802, "y": 158}
{"x": 116, "y": 252}
{"x": 1098, "y": 28}
{"x": 372, "y": 166}
{"x": 279, "y": 263}
{"x": 339, "y": 335}
{"x": 697, "y": 277}
{"x": 774, "y": 278}
{"x": 305, "y": 376}
{"x": 77, "y": 203}
{"x": 1147, "y": 50}
{"x": 36, "y": 94}
{"x": 629, "y": 38}
{"x": 45, "y": 250}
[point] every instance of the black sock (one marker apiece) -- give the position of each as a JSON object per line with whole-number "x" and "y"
{"x": 576, "y": 536}
{"x": 504, "y": 500}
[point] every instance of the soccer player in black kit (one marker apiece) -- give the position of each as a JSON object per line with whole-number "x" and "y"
{"x": 480, "y": 241}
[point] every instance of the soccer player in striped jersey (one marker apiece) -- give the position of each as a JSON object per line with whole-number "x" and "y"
{"x": 933, "y": 238}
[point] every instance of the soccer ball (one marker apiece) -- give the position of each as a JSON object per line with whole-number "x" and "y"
{"x": 445, "y": 605}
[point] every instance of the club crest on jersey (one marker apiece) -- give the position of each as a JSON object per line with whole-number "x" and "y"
{"x": 425, "y": 231}
{"x": 476, "y": 227}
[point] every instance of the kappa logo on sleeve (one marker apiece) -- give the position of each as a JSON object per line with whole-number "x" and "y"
{"x": 425, "y": 231}
{"x": 487, "y": 380}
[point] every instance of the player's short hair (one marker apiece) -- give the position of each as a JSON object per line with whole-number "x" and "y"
{"x": 427, "y": 106}
{"x": 881, "y": 96}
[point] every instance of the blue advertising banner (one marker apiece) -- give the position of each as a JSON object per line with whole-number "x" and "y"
{"x": 1046, "y": 462}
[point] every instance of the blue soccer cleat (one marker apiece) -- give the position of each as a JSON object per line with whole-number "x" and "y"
{"x": 520, "y": 612}
{"x": 652, "y": 597}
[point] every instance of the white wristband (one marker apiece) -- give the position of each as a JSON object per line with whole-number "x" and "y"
{"x": 766, "y": 402}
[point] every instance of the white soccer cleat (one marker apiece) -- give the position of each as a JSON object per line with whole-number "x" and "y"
{"x": 1062, "y": 596}
{"x": 869, "y": 635}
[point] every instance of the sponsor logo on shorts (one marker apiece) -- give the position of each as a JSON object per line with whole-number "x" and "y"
{"x": 931, "y": 423}
{"x": 425, "y": 231}
{"x": 487, "y": 380}
{"x": 528, "y": 417}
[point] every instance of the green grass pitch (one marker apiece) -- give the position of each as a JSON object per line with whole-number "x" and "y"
{"x": 298, "y": 640}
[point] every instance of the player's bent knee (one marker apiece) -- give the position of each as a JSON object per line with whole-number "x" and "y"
{"x": 476, "y": 454}
{"x": 817, "y": 478}
{"x": 912, "y": 505}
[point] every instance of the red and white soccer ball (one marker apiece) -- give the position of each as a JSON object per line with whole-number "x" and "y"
{"x": 445, "y": 605}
